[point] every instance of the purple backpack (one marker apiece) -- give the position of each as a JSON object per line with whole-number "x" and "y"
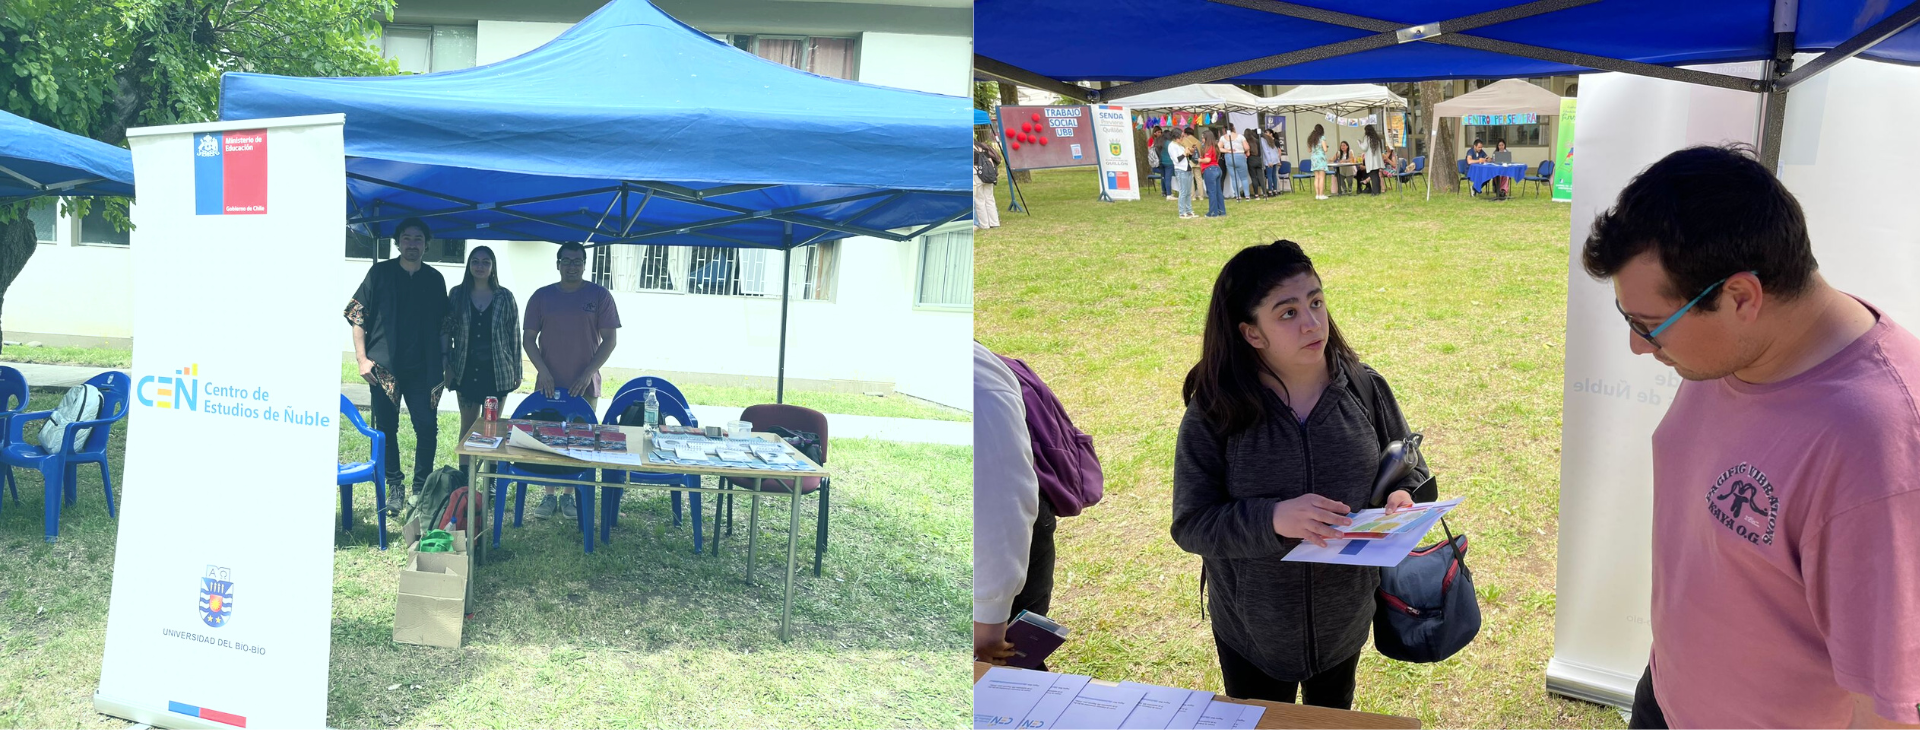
{"x": 1063, "y": 456}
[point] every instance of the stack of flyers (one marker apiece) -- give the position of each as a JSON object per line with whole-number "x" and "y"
{"x": 734, "y": 455}
{"x": 612, "y": 441}
{"x": 580, "y": 438}
{"x": 555, "y": 436}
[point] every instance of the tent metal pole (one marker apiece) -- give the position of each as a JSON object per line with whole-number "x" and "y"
{"x": 1002, "y": 71}
{"x": 1899, "y": 21}
{"x": 786, "y": 292}
{"x": 1773, "y": 103}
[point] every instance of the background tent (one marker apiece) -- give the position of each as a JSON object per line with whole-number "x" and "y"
{"x": 1336, "y": 99}
{"x": 1199, "y": 98}
{"x": 38, "y": 160}
{"x": 632, "y": 127}
{"x": 1509, "y": 96}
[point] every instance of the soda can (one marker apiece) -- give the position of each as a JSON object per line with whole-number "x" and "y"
{"x": 493, "y": 408}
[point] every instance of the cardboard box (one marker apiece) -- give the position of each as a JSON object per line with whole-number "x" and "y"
{"x": 431, "y": 608}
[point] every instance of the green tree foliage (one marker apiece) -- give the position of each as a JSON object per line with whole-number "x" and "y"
{"x": 98, "y": 67}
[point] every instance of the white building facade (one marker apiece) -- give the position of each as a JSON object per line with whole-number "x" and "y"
{"x": 866, "y": 314}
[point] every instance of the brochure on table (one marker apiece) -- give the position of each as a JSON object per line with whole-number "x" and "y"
{"x": 1009, "y": 697}
{"x": 747, "y": 453}
{"x": 523, "y": 437}
{"x": 1402, "y": 535}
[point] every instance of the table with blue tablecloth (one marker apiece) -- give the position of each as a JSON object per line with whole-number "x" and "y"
{"x": 1485, "y": 172}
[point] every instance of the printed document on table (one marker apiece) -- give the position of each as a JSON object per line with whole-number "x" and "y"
{"x": 1099, "y": 706}
{"x": 1249, "y": 717}
{"x": 1225, "y": 715}
{"x": 1156, "y": 709}
{"x": 1004, "y": 696}
{"x": 1190, "y": 710}
{"x": 1064, "y": 689}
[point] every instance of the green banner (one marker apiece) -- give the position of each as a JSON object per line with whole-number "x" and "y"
{"x": 1563, "y": 155}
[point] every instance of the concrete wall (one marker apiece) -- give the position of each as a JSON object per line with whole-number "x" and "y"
{"x": 499, "y": 40}
{"x": 933, "y": 63}
{"x": 82, "y": 291}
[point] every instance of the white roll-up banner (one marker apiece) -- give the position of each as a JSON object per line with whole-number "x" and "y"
{"x": 1865, "y": 235}
{"x": 1113, "y": 135}
{"x": 222, "y": 598}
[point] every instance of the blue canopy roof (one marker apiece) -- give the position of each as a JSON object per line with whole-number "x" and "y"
{"x": 633, "y": 127}
{"x": 1025, "y": 34}
{"x": 980, "y": 116}
{"x": 37, "y": 160}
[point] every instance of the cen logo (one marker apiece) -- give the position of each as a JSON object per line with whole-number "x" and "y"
{"x": 180, "y": 391}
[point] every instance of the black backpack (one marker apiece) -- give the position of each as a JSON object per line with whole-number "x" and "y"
{"x": 983, "y": 163}
{"x": 1425, "y": 609}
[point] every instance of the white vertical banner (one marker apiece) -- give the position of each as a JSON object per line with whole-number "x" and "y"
{"x": 1113, "y": 135}
{"x": 1613, "y": 399}
{"x": 221, "y": 608}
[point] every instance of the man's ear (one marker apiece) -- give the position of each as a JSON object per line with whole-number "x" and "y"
{"x": 1744, "y": 292}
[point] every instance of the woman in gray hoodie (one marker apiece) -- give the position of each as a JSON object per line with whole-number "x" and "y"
{"x": 1277, "y": 446}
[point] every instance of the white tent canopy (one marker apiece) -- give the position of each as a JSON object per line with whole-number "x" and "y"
{"x": 1339, "y": 99}
{"x": 1200, "y": 98}
{"x": 1509, "y": 96}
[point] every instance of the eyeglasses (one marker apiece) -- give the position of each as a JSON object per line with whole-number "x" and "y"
{"x": 572, "y": 262}
{"x": 1649, "y": 335}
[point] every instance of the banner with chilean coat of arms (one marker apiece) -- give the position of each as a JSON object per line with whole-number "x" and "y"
{"x": 1113, "y": 135}
{"x": 221, "y": 611}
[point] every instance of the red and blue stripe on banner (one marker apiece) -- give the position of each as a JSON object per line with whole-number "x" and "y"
{"x": 230, "y": 172}
{"x": 206, "y": 714}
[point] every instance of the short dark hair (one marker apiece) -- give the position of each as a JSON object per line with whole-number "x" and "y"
{"x": 570, "y": 246}
{"x": 1476, "y": 140}
{"x": 413, "y": 223}
{"x": 1708, "y": 213}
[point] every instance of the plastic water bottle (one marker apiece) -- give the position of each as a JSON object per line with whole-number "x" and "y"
{"x": 653, "y": 409}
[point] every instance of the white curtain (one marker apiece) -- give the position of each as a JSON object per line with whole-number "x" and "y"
{"x": 831, "y": 57}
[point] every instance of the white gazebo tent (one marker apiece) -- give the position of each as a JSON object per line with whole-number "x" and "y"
{"x": 1337, "y": 99}
{"x": 1510, "y": 96}
{"x": 1200, "y": 98}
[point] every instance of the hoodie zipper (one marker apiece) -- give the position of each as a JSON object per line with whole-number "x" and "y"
{"x": 1313, "y": 652}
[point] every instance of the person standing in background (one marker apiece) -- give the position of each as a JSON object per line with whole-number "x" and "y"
{"x": 986, "y": 173}
{"x": 397, "y": 317}
{"x": 570, "y": 333}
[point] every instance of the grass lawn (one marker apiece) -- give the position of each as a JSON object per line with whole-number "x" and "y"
{"x": 1459, "y": 302}
{"x": 99, "y": 357}
{"x": 641, "y": 633}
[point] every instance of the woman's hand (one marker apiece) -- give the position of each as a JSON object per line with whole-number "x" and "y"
{"x": 1307, "y": 518}
{"x": 1399, "y": 500}
{"x": 990, "y": 643}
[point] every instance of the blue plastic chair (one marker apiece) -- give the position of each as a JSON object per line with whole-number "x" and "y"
{"x": 1306, "y": 171}
{"x": 1462, "y": 165}
{"x": 1286, "y": 173}
{"x": 60, "y": 466}
{"x": 364, "y": 471}
{"x": 610, "y": 505}
{"x": 13, "y": 399}
{"x": 660, "y": 385}
{"x": 1545, "y": 175}
{"x": 574, "y": 409}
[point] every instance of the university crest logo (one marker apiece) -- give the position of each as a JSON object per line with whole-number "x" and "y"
{"x": 216, "y": 596}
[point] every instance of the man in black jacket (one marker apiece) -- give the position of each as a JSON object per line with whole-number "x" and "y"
{"x": 397, "y": 316}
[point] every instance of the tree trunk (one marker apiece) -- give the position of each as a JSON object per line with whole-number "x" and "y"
{"x": 17, "y": 243}
{"x": 1010, "y": 96}
{"x": 1440, "y": 150}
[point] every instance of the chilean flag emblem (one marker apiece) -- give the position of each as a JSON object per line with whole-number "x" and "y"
{"x": 230, "y": 172}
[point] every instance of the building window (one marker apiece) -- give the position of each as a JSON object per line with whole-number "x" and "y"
{"x": 833, "y": 57}
{"x": 946, "y": 270}
{"x": 1516, "y": 135}
{"x": 439, "y": 250}
{"x": 46, "y": 220}
{"x": 94, "y": 228}
{"x": 429, "y": 48}
{"x": 717, "y": 271}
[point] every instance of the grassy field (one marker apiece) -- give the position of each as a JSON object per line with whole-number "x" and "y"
{"x": 640, "y": 634}
{"x": 1459, "y": 302}
{"x": 98, "y": 357}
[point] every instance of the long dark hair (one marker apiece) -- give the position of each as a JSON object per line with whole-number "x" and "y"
{"x": 493, "y": 277}
{"x": 1225, "y": 384}
{"x": 1313, "y": 140}
{"x": 1373, "y": 139}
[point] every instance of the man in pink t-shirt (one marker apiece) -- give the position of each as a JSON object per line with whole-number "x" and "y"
{"x": 1786, "y": 501}
{"x": 570, "y": 329}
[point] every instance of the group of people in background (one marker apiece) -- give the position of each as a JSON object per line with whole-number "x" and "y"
{"x": 1229, "y": 164}
{"x": 414, "y": 340}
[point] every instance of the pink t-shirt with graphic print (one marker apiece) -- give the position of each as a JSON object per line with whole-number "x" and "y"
{"x": 1786, "y": 543}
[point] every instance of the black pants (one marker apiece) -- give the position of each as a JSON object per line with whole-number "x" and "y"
{"x": 1646, "y": 709}
{"x": 1036, "y": 594}
{"x": 1332, "y": 687}
{"x": 1373, "y": 181}
{"x": 426, "y": 426}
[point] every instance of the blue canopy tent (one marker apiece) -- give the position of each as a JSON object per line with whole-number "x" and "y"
{"x": 632, "y": 127}
{"x": 37, "y": 160}
{"x": 981, "y": 117}
{"x": 1338, "y": 42}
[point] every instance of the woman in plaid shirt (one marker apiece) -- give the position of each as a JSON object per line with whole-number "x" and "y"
{"x": 483, "y": 323}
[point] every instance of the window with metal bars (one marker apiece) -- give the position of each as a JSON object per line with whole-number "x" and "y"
{"x": 715, "y": 270}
